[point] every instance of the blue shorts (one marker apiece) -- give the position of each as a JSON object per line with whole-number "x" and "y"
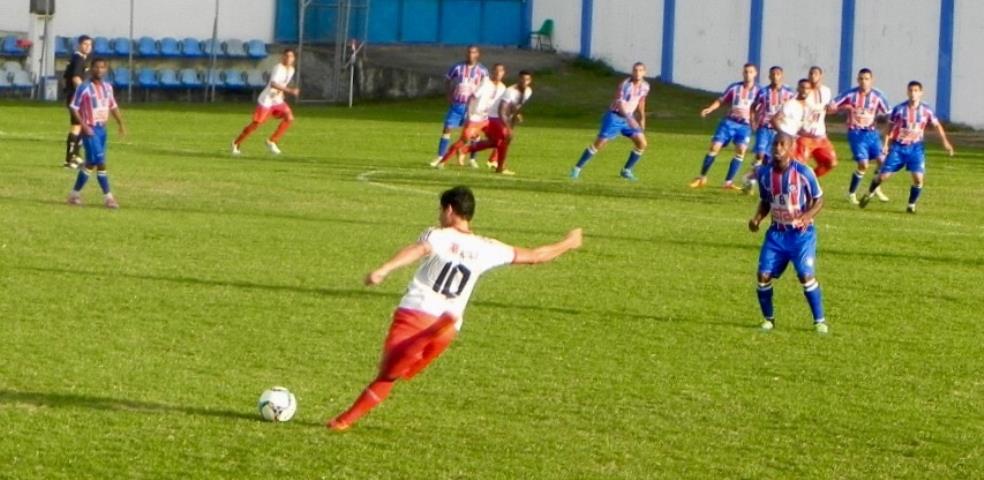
{"x": 95, "y": 146}
{"x": 784, "y": 246}
{"x": 455, "y": 118}
{"x": 764, "y": 137}
{"x": 912, "y": 157}
{"x": 865, "y": 144}
{"x": 613, "y": 124}
{"x": 732, "y": 131}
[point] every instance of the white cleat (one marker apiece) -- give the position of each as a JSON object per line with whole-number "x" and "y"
{"x": 472, "y": 163}
{"x": 274, "y": 149}
{"x": 881, "y": 196}
{"x": 853, "y": 198}
{"x": 235, "y": 149}
{"x": 768, "y": 325}
{"x": 821, "y": 328}
{"x": 436, "y": 163}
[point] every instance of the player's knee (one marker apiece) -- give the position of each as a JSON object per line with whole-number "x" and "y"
{"x": 641, "y": 142}
{"x": 764, "y": 278}
{"x": 862, "y": 167}
{"x": 807, "y": 279}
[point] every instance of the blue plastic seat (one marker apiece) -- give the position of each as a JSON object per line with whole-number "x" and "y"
{"x": 21, "y": 80}
{"x": 214, "y": 78}
{"x": 234, "y": 79}
{"x": 147, "y": 47}
{"x": 168, "y": 78}
{"x": 255, "y": 79}
{"x": 191, "y": 48}
{"x": 256, "y": 49}
{"x": 122, "y": 46}
{"x": 235, "y": 49}
{"x": 62, "y": 47}
{"x": 121, "y": 77}
{"x": 4, "y": 82}
{"x": 147, "y": 78}
{"x": 10, "y": 47}
{"x": 170, "y": 47}
{"x": 190, "y": 79}
{"x": 101, "y": 47}
{"x": 208, "y": 46}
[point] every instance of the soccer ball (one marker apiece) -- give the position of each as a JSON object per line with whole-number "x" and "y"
{"x": 277, "y": 405}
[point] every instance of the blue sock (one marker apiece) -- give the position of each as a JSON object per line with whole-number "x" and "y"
{"x": 81, "y": 179}
{"x": 103, "y": 179}
{"x": 442, "y": 147}
{"x": 765, "y": 300}
{"x": 914, "y": 192}
{"x": 706, "y": 167}
{"x": 633, "y": 159}
{"x": 586, "y": 156}
{"x": 812, "y": 291}
{"x": 733, "y": 169}
{"x": 855, "y": 182}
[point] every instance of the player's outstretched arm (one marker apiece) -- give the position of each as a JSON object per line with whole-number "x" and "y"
{"x": 546, "y": 253}
{"x": 710, "y": 108}
{"x": 406, "y": 256}
{"x": 946, "y": 141}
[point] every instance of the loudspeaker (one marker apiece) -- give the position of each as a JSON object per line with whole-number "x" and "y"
{"x": 43, "y": 7}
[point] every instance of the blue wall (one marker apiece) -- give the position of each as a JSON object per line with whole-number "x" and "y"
{"x": 448, "y": 22}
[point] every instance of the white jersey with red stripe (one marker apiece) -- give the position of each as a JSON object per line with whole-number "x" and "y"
{"x": 446, "y": 278}
{"x": 816, "y": 112}
{"x": 94, "y": 101}
{"x": 483, "y": 102}
{"x": 793, "y": 116}
{"x": 629, "y": 95}
{"x": 281, "y": 75}
{"x": 511, "y": 97}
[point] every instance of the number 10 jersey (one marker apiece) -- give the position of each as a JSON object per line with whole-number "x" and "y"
{"x": 447, "y": 277}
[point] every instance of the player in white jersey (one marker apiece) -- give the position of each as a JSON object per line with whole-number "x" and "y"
{"x": 271, "y": 102}
{"x": 430, "y": 313}
{"x": 813, "y": 141}
{"x": 792, "y": 115}
{"x": 503, "y": 118}
{"x": 480, "y": 105}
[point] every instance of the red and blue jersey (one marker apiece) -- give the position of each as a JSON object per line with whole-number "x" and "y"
{"x": 465, "y": 80}
{"x": 866, "y": 107}
{"x": 789, "y": 193}
{"x": 629, "y": 95}
{"x": 909, "y": 123}
{"x": 94, "y": 101}
{"x": 769, "y": 102}
{"x": 740, "y": 97}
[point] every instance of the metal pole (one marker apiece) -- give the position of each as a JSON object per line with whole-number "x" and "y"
{"x": 302, "y": 8}
{"x": 129, "y": 86}
{"x": 210, "y": 85}
{"x": 43, "y": 80}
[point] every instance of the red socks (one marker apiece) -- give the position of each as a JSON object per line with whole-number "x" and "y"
{"x": 246, "y": 132}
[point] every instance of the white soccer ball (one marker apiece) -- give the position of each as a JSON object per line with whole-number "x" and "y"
{"x": 277, "y": 405}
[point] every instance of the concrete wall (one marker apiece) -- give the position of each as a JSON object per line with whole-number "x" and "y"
{"x": 899, "y": 39}
{"x": 243, "y": 19}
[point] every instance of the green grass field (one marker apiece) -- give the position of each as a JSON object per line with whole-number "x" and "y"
{"x": 136, "y": 342}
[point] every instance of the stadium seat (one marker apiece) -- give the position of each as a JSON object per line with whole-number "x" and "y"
{"x": 122, "y": 46}
{"x": 11, "y": 48}
{"x": 213, "y": 77}
{"x": 147, "y": 47}
{"x": 168, "y": 78}
{"x": 21, "y": 80}
{"x": 101, "y": 47}
{"x": 147, "y": 78}
{"x": 255, "y": 79}
{"x": 209, "y": 45}
{"x": 170, "y": 47}
{"x": 190, "y": 78}
{"x": 235, "y": 49}
{"x": 191, "y": 48}
{"x": 544, "y": 36}
{"x": 234, "y": 79}
{"x": 4, "y": 82}
{"x": 256, "y": 49}
{"x": 12, "y": 66}
{"x": 62, "y": 45}
{"x": 121, "y": 77}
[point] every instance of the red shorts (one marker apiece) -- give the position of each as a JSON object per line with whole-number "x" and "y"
{"x": 497, "y": 130}
{"x": 819, "y": 148}
{"x": 473, "y": 129}
{"x": 282, "y": 110}
{"x": 406, "y": 324}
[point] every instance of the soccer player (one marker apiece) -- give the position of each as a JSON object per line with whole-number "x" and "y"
{"x": 430, "y": 314}
{"x": 74, "y": 76}
{"x": 479, "y": 107}
{"x": 767, "y": 104}
{"x": 626, "y": 115}
{"x": 91, "y": 106}
{"x": 734, "y": 128}
{"x": 505, "y": 115}
{"x": 271, "y": 103}
{"x": 790, "y": 191}
{"x": 863, "y": 105}
{"x": 904, "y": 144}
{"x": 813, "y": 141}
{"x": 792, "y": 114}
{"x": 460, "y": 83}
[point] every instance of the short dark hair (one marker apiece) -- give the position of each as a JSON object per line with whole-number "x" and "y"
{"x": 816, "y": 68}
{"x": 915, "y": 83}
{"x": 83, "y": 38}
{"x": 750, "y": 64}
{"x": 525, "y": 73}
{"x": 289, "y": 50}
{"x": 100, "y": 60}
{"x": 638, "y": 64}
{"x": 461, "y": 200}
{"x": 864, "y": 71}
{"x": 497, "y": 65}
{"x": 803, "y": 80}
{"x": 775, "y": 68}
